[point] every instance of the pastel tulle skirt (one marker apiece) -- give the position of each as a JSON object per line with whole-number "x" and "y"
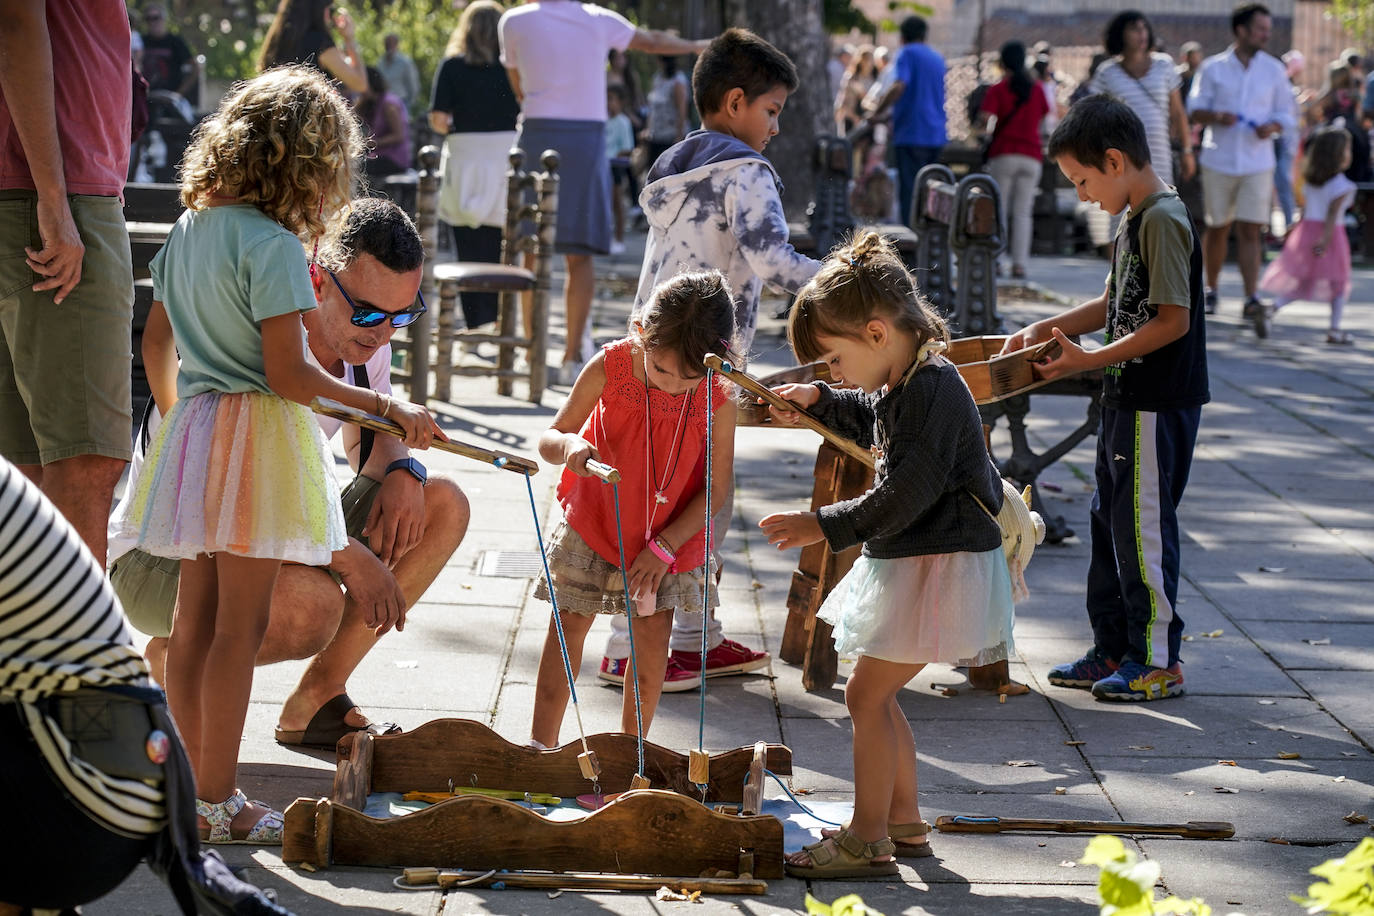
{"x": 248, "y": 473}
{"x": 951, "y": 607}
{"x": 1297, "y": 273}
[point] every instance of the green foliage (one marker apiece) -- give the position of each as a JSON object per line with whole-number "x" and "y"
{"x": 900, "y": 9}
{"x": 1357, "y": 18}
{"x": 1126, "y": 884}
{"x": 1349, "y": 886}
{"x": 841, "y": 17}
{"x": 848, "y": 905}
{"x": 422, "y": 25}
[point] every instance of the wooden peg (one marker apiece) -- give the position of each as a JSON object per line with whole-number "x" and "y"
{"x": 639, "y": 781}
{"x": 699, "y": 768}
{"x": 589, "y": 765}
{"x": 604, "y": 472}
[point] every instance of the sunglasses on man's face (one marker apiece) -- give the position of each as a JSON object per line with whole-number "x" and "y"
{"x": 367, "y": 317}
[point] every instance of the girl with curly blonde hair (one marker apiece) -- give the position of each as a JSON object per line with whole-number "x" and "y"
{"x": 241, "y": 477}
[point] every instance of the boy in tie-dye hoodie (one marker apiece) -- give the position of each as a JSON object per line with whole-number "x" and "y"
{"x": 714, "y": 202}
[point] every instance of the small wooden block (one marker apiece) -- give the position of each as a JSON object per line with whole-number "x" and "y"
{"x": 699, "y": 767}
{"x": 639, "y": 781}
{"x": 588, "y": 764}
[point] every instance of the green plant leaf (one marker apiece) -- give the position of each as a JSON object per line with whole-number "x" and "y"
{"x": 1103, "y": 850}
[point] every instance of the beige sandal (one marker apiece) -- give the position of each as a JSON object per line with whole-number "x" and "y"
{"x": 846, "y": 856}
{"x": 898, "y": 832}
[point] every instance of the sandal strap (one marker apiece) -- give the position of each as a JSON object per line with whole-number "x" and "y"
{"x": 903, "y": 831}
{"x": 219, "y": 815}
{"x": 857, "y": 848}
{"x": 823, "y": 852}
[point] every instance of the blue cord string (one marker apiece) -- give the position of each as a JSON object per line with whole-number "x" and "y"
{"x": 706, "y": 592}
{"x": 553, "y": 595}
{"x": 630, "y": 628}
{"x": 793, "y": 798}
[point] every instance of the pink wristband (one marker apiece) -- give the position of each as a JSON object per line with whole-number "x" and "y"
{"x": 659, "y": 552}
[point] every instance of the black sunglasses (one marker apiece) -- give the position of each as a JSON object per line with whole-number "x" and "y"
{"x": 370, "y": 317}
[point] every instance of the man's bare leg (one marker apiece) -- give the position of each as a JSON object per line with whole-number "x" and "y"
{"x": 82, "y": 488}
{"x": 1248, "y": 250}
{"x": 1214, "y": 252}
{"x": 446, "y": 521}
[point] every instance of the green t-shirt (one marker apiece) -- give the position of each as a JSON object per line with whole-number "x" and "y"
{"x": 223, "y": 271}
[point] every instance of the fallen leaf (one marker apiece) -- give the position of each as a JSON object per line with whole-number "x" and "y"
{"x": 1289, "y": 755}
{"x": 1001, "y": 698}
{"x": 1354, "y": 817}
{"x": 407, "y": 663}
{"x": 1226, "y": 763}
{"x": 1023, "y": 763}
{"x": 1050, "y": 487}
{"x": 1349, "y": 754}
{"x": 1267, "y": 702}
{"x": 756, "y": 584}
{"x": 1075, "y": 743}
{"x": 306, "y": 866}
{"x": 466, "y": 585}
{"x": 1187, "y": 638}
{"x": 1141, "y": 747}
{"x": 1225, "y": 790}
{"x": 1042, "y": 845}
{"x": 554, "y": 895}
{"x": 949, "y": 692}
{"x": 667, "y": 893}
{"x": 1190, "y": 792}
{"x": 1068, "y": 863}
{"x": 1273, "y": 569}
{"x": 802, "y": 791}
{"x": 1339, "y": 779}
{"x": 1278, "y": 841}
{"x": 1061, "y": 790}
{"x": 1325, "y": 641}
{"x": 1215, "y": 634}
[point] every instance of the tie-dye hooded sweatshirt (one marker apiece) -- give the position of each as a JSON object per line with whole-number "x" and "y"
{"x": 714, "y": 203}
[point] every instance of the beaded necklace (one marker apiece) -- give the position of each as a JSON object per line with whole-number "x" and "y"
{"x": 651, "y": 480}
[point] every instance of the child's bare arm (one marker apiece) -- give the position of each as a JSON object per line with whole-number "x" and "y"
{"x": 1168, "y": 325}
{"x": 562, "y": 443}
{"x": 1081, "y": 319}
{"x": 160, "y": 358}
{"x": 289, "y": 375}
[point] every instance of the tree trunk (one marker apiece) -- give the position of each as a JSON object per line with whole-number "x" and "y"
{"x": 795, "y": 27}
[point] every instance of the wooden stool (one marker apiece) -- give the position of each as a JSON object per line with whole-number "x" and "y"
{"x": 510, "y": 279}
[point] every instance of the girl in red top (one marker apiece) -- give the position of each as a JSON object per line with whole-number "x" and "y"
{"x": 640, "y": 405}
{"x": 1015, "y": 158}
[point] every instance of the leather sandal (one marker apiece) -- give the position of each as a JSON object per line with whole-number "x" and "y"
{"x": 846, "y": 856}
{"x": 898, "y": 832}
{"x": 266, "y": 832}
{"x": 330, "y": 724}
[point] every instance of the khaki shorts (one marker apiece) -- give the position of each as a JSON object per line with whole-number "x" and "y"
{"x": 147, "y": 585}
{"x": 1231, "y": 198}
{"x": 65, "y": 368}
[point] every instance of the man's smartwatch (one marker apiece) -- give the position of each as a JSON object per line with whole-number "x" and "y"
{"x": 411, "y": 466}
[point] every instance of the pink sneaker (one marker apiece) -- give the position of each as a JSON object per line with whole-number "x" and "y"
{"x": 727, "y": 658}
{"x": 675, "y": 679}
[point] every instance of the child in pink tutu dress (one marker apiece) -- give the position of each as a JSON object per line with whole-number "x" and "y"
{"x": 1315, "y": 263}
{"x": 239, "y": 477}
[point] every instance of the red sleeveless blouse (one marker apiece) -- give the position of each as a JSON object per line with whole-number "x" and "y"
{"x": 616, "y": 428}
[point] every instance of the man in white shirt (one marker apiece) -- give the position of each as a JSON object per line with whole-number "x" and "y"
{"x": 1242, "y": 97}
{"x": 403, "y": 523}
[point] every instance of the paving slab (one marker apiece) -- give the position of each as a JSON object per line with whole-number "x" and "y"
{"x": 1345, "y": 695}
{"x": 1259, "y": 596}
{"x": 1252, "y": 877}
{"x": 1316, "y": 645}
{"x": 1300, "y": 800}
{"x": 1206, "y": 726}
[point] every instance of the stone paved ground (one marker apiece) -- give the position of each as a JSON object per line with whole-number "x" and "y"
{"x": 1278, "y": 567}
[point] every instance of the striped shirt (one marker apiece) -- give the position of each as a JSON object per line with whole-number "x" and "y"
{"x": 1148, "y": 97}
{"x": 62, "y": 629}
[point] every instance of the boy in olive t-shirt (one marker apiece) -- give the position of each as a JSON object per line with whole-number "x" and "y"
{"x": 1154, "y": 362}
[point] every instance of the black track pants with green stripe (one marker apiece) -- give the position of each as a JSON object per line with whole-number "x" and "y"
{"x": 1143, "y": 459}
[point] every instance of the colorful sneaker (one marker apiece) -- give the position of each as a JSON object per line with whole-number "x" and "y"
{"x": 1083, "y": 673}
{"x": 1134, "y": 681}
{"x": 727, "y": 658}
{"x": 675, "y": 679}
